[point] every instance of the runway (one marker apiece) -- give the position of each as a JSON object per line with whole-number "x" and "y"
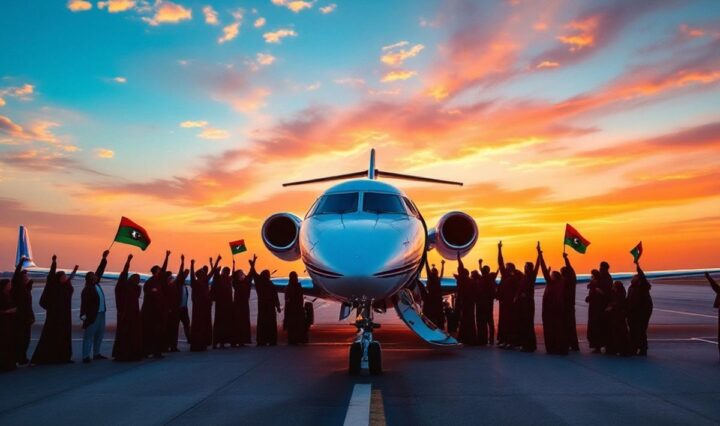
{"x": 678, "y": 383}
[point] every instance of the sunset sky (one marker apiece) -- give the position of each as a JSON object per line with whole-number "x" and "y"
{"x": 187, "y": 116}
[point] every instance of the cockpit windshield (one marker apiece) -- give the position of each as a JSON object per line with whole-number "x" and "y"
{"x": 374, "y": 202}
{"x": 337, "y": 204}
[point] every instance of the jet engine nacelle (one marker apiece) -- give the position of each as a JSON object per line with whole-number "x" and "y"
{"x": 281, "y": 235}
{"x": 455, "y": 232}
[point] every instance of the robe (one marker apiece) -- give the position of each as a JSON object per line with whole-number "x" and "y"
{"x": 639, "y": 310}
{"x": 241, "y": 310}
{"x": 55, "y": 344}
{"x": 128, "y": 345}
{"x": 553, "y": 317}
{"x": 294, "y": 319}
{"x": 618, "y": 337}
{"x": 154, "y": 313}
{"x": 484, "y": 309}
{"x": 525, "y": 311}
{"x": 268, "y": 303}
{"x": 221, "y": 294}
{"x": 598, "y": 298}
{"x": 7, "y": 332}
{"x": 433, "y": 302}
{"x": 201, "y": 323}
{"x": 570, "y": 285}
{"x": 467, "y": 333}
{"x": 173, "y": 293}
{"x": 24, "y": 316}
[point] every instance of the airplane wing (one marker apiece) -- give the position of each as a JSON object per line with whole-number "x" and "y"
{"x": 449, "y": 285}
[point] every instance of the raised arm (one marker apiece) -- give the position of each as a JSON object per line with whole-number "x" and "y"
{"x": 181, "y": 271}
{"x": 460, "y": 263}
{"x": 253, "y": 273}
{"x": 101, "y": 267}
{"x": 73, "y": 273}
{"x": 640, "y": 272}
{"x": 537, "y": 261}
{"x": 501, "y": 261}
{"x": 442, "y": 269}
{"x": 541, "y": 261}
{"x": 126, "y": 270}
{"x": 427, "y": 268}
{"x": 192, "y": 272}
{"x": 163, "y": 270}
{"x": 53, "y": 268}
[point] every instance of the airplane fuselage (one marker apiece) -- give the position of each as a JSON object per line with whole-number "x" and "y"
{"x": 362, "y": 239}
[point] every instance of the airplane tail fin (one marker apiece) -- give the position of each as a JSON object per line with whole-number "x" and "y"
{"x": 373, "y": 173}
{"x": 24, "y": 249}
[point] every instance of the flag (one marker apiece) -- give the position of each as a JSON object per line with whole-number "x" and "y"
{"x": 131, "y": 233}
{"x": 637, "y": 251}
{"x": 575, "y": 240}
{"x": 237, "y": 246}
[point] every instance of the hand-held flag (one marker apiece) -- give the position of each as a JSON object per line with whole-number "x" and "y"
{"x": 131, "y": 233}
{"x": 637, "y": 252}
{"x": 237, "y": 247}
{"x": 575, "y": 240}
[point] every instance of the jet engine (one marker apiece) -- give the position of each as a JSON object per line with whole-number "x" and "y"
{"x": 455, "y": 232}
{"x": 281, "y": 235}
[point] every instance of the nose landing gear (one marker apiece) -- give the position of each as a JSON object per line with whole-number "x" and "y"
{"x": 365, "y": 355}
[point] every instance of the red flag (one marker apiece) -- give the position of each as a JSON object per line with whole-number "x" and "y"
{"x": 575, "y": 240}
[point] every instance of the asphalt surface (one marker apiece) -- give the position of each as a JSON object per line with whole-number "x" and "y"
{"x": 678, "y": 383}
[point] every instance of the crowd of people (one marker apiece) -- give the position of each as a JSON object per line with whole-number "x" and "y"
{"x": 147, "y": 326}
{"x": 617, "y": 319}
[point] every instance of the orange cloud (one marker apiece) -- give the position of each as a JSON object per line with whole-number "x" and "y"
{"x": 229, "y": 32}
{"x": 397, "y": 57}
{"x": 104, "y": 153}
{"x": 167, "y": 12}
{"x": 265, "y": 59}
{"x": 37, "y": 131}
{"x": 547, "y": 64}
{"x": 294, "y": 5}
{"x": 277, "y": 36}
{"x": 398, "y": 75}
{"x": 328, "y": 9}
{"x": 259, "y": 22}
{"x": 691, "y": 32}
{"x": 79, "y": 5}
{"x": 190, "y": 124}
{"x": 213, "y": 133}
{"x": 583, "y": 33}
{"x": 211, "y": 16}
{"x": 116, "y": 6}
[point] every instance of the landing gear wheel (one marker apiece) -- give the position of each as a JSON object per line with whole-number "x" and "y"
{"x": 355, "y": 359}
{"x": 375, "y": 358}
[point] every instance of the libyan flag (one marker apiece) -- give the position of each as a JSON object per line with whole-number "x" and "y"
{"x": 575, "y": 240}
{"x": 237, "y": 246}
{"x": 131, "y": 233}
{"x": 637, "y": 251}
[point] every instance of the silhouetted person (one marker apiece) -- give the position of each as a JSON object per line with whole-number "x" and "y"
{"x": 619, "y": 336}
{"x": 599, "y": 293}
{"x": 21, "y": 289}
{"x": 639, "y": 310}
{"x": 451, "y": 315}
{"x": 242, "y": 285}
{"x": 184, "y": 294}
{"x": 268, "y": 304}
{"x": 92, "y": 312}
{"x": 570, "y": 284}
{"x": 55, "y": 344}
{"x": 484, "y": 305}
{"x": 465, "y": 305}
{"x": 8, "y": 354}
{"x": 294, "y": 319}
{"x": 525, "y": 306}
{"x": 433, "y": 298}
{"x": 201, "y": 324}
{"x": 510, "y": 280}
{"x": 221, "y": 293}
{"x": 128, "y": 336}
{"x": 172, "y": 289}
{"x": 716, "y": 305}
{"x": 154, "y": 311}
{"x": 553, "y": 311}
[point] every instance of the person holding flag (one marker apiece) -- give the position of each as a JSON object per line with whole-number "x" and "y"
{"x": 639, "y": 306}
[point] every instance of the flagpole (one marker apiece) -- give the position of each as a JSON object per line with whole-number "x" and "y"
{"x": 111, "y": 244}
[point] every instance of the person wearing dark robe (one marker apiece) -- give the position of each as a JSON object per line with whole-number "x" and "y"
{"x": 294, "y": 318}
{"x": 467, "y": 333}
{"x": 639, "y": 310}
{"x": 92, "y": 312}
{"x": 553, "y": 310}
{"x": 173, "y": 293}
{"x": 201, "y": 323}
{"x": 8, "y": 354}
{"x": 21, "y": 288}
{"x": 268, "y": 304}
{"x": 570, "y": 283}
{"x": 55, "y": 344}
{"x": 184, "y": 295}
{"x": 128, "y": 336}
{"x": 716, "y": 305}
{"x": 525, "y": 306}
{"x": 599, "y": 294}
{"x": 451, "y": 314}
{"x": 221, "y": 293}
{"x": 242, "y": 284}
{"x": 154, "y": 311}
{"x": 484, "y": 305}
{"x": 433, "y": 297}
{"x": 619, "y": 337}
{"x": 510, "y": 280}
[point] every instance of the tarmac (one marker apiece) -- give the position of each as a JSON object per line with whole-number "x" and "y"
{"x": 678, "y": 383}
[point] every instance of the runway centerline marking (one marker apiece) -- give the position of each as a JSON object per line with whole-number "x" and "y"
{"x": 358, "y": 412}
{"x": 704, "y": 340}
{"x": 692, "y": 314}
